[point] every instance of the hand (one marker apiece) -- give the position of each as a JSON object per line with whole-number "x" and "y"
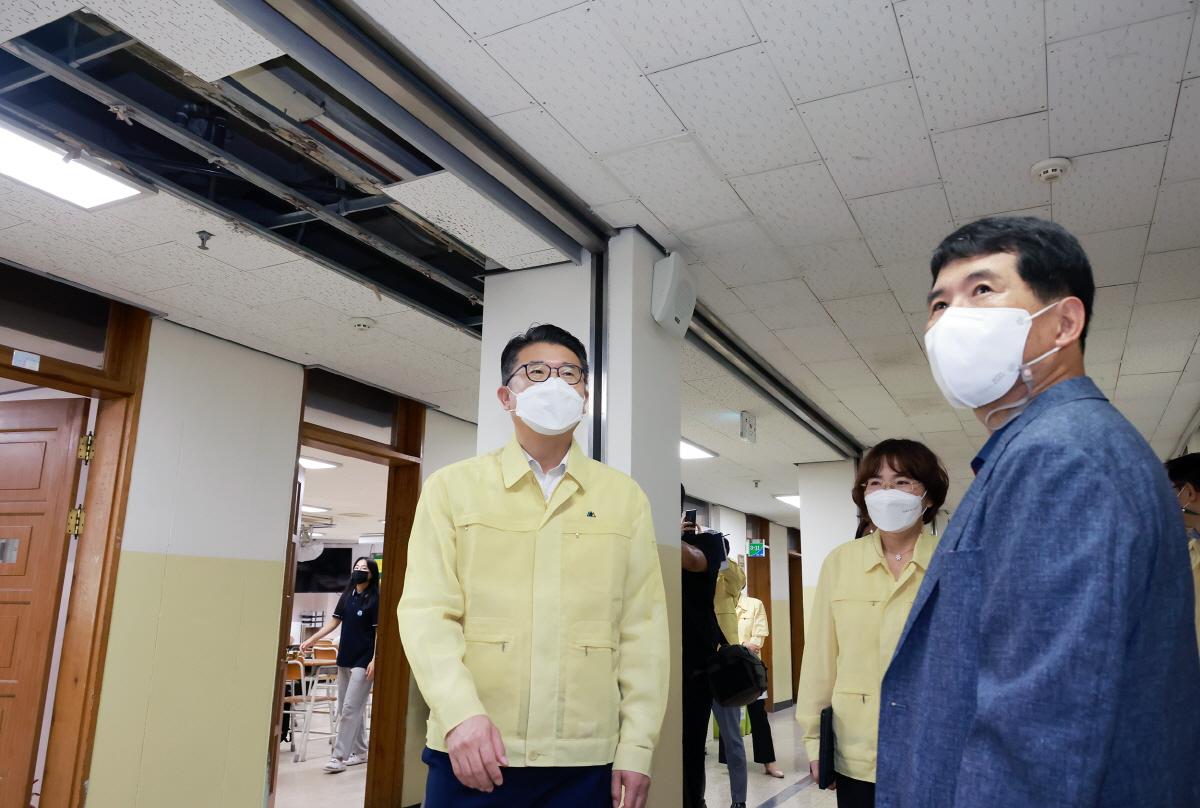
{"x": 636, "y": 786}
{"x": 371, "y": 671}
{"x": 755, "y": 648}
{"x": 306, "y": 647}
{"x": 814, "y": 768}
{"x": 476, "y": 753}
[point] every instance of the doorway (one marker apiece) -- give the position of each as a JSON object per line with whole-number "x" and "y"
{"x": 357, "y": 485}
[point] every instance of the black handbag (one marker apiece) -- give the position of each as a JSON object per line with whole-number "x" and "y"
{"x": 736, "y": 676}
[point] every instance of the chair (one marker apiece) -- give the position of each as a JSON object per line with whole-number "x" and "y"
{"x": 305, "y": 704}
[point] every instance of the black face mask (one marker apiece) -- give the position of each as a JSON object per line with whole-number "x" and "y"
{"x": 359, "y": 577}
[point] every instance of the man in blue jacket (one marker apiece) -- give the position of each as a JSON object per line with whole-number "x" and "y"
{"x": 1049, "y": 658}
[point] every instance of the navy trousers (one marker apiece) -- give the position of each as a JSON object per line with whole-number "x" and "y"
{"x": 524, "y": 787}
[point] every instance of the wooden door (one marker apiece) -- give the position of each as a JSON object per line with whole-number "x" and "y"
{"x": 796, "y": 603}
{"x": 758, "y": 585}
{"x": 39, "y": 470}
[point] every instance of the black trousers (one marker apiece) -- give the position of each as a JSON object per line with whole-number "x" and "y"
{"x": 760, "y": 733}
{"x": 697, "y": 707}
{"x": 854, "y": 793}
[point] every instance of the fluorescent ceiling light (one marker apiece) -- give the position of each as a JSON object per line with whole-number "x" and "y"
{"x": 35, "y": 162}
{"x": 690, "y": 451}
{"x": 317, "y": 535}
{"x": 371, "y": 538}
{"x": 789, "y": 499}
{"x": 313, "y": 509}
{"x": 312, "y": 463}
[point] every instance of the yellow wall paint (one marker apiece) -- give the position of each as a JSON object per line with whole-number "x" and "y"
{"x": 185, "y": 708}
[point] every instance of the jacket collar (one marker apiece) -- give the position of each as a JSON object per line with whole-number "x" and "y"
{"x": 873, "y": 550}
{"x": 515, "y": 465}
{"x": 1064, "y": 392}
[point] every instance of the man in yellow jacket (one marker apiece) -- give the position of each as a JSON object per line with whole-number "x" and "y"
{"x": 533, "y": 612}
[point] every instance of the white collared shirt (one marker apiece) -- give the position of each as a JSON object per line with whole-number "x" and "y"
{"x": 548, "y": 480}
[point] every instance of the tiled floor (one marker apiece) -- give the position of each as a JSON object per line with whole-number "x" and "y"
{"x": 306, "y": 785}
{"x": 795, "y": 790}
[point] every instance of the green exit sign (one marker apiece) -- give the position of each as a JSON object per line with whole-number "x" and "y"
{"x": 757, "y": 549}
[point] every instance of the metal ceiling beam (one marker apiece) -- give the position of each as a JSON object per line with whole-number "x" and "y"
{"x": 132, "y": 112}
{"x": 400, "y": 101}
{"x": 137, "y": 173}
{"x": 718, "y": 342}
{"x": 339, "y": 208}
{"x": 88, "y": 53}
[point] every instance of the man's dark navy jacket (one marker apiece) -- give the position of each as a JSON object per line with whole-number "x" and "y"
{"x": 1050, "y": 656}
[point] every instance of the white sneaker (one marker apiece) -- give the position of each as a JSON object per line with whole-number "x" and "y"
{"x": 335, "y": 765}
{"x": 356, "y": 760}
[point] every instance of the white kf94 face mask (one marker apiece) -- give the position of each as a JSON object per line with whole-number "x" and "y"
{"x": 976, "y": 354}
{"x": 551, "y": 407}
{"x": 893, "y": 510}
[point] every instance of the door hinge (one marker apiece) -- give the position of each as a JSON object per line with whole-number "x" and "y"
{"x": 75, "y": 522}
{"x": 87, "y": 447}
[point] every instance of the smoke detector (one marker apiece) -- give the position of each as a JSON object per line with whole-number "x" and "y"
{"x": 362, "y": 323}
{"x": 1050, "y": 170}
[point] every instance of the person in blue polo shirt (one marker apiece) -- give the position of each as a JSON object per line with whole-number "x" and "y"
{"x": 357, "y": 613}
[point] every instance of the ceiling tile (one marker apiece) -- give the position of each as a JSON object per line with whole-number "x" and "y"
{"x": 1159, "y": 322}
{"x": 1116, "y": 255}
{"x": 936, "y": 422}
{"x": 1192, "y": 68}
{"x": 907, "y": 380}
{"x": 754, "y": 264}
{"x": 904, "y": 225}
{"x": 798, "y": 205}
{"x": 673, "y": 32}
{"x": 1183, "y": 155}
{"x": 202, "y": 38}
{"x": 430, "y": 34}
{"x": 910, "y": 282}
{"x": 17, "y": 18}
{"x": 1177, "y": 217}
{"x": 1161, "y": 357}
{"x": 677, "y": 182}
{"x": 975, "y": 62}
{"x": 577, "y": 70}
{"x": 1071, "y": 18}
{"x": 839, "y": 270}
{"x": 792, "y": 293}
{"x": 351, "y": 297}
{"x": 873, "y": 140}
{"x": 170, "y": 264}
{"x": 460, "y": 210}
{"x": 1103, "y": 374}
{"x": 1113, "y": 307}
{"x": 713, "y": 292}
{"x": 869, "y": 316}
{"x": 738, "y": 108}
{"x": 987, "y": 167}
{"x": 1109, "y": 190}
{"x": 751, "y": 331}
{"x": 482, "y": 18}
{"x": 1106, "y": 345}
{"x": 823, "y": 342}
{"x": 825, "y": 47}
{"x": 1170, "y": 276}
{"x": 1133, "y": 386}
{"x": 535, "y": 131}
{"x": 630, "y": 212}
{"x": 893, "y": 350}
{"x": 843, "y": 373}
{"x": 1116, "y": 88}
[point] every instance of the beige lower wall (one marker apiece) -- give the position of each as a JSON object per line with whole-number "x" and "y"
{"x": 188, "y": 683}
{"x": 781, "y": 649}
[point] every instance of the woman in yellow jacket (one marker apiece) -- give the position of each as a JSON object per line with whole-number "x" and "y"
{"x": 865, "y": 591}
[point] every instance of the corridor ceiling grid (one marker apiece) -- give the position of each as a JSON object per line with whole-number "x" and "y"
{"x": 807, "y": 157}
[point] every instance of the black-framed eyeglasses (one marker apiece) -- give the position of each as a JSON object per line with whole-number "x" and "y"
{"x": 538, "y": 372}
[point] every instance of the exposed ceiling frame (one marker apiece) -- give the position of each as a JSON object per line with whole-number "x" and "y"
{"x": 142, "y": 174}
{"x": 718, "y": 342}
{"x": 131, "y": 111}
{"x": 74, "y": 57}
{"x": 398, "y": 99}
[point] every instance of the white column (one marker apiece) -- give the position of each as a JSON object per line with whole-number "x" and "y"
{"x": 779, "y": 615}
{"x": 642, "y": 437}
{"x": 828, "y": 516}
{"x": 559, "y": 294}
